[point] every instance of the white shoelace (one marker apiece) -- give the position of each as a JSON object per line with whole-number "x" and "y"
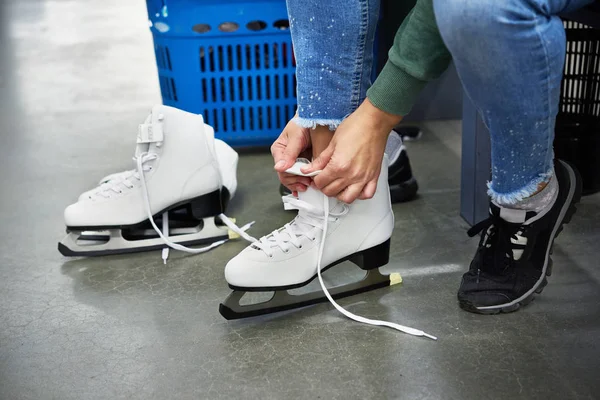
{"x": 139, "y": 174}
{"x": 358, "y": 318}
{"x": 302, "y": 225}
{"x": 112, "y": 183}
{"x": 289, "y": 235}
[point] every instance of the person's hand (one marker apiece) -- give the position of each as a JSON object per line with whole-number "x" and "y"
{"x": 352, "y": 162}
{"x": 294, "y": 141}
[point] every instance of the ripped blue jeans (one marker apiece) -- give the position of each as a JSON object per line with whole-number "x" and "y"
{"x": 509, "y": 55}
{"x": 333, "y": 46}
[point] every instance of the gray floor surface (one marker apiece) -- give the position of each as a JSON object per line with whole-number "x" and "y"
{"x": 76, "y": 77}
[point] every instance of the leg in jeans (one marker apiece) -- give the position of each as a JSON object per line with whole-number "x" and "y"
{"x": 333, "y": 45}
{"x": 510, "y": 56}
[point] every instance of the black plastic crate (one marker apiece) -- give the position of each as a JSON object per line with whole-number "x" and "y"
{"x": 578, "y": 122}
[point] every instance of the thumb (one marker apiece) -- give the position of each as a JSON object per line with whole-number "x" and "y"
{"x": 320, "y": 162}
{"x": 289, "y": 155}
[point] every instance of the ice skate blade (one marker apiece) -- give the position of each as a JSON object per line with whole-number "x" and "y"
{"x": 282, "y": 300}
{"x": 107, "y": 242}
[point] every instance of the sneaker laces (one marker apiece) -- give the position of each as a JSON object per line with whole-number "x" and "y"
{"x": 310, "y": 217}
{"x": 139, "y": 174}
{"x": 503, "y": 242}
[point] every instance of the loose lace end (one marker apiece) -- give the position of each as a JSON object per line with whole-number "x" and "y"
{"x": 354, "y": 317}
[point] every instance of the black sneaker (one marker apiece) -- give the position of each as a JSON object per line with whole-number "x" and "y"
{"x": 513, "y": 258}
{"x": 403, "y": 185}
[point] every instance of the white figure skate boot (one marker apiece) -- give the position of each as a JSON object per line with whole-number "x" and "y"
{"x": 227, "y": 159}
{"x": 324, "y": 233}
{"x": 177, "y": 181}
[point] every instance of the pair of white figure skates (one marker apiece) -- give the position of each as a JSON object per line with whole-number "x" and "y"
{"x": 183, "y": 179}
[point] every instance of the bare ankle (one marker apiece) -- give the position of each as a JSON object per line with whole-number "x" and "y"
{"x": 320, "y": 138}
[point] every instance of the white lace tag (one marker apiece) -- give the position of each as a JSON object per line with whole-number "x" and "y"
{"x": 150, "y": 133}
{"x": 295, "y": 169}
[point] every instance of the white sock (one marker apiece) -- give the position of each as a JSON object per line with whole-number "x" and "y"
{"x": 393, "y": 147}
{"x": 540, "y": 200}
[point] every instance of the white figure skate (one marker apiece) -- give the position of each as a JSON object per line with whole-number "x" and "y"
{"x": 177, "y": 182}
{"x": 227, "y": 159}
{"x": 325, "y": 233}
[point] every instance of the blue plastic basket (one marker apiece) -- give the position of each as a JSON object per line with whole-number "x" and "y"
{"x": 229, "y": 60}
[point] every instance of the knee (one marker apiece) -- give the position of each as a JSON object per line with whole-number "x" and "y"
{"x": 460, "y": 20}
{"x": 463, "y": 22}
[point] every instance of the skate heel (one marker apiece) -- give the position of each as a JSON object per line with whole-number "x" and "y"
{"x": 372, "y": 258}
{"x": 207, "y": 205}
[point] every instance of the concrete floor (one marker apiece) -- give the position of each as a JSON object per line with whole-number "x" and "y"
{"x": 76, "y": 77}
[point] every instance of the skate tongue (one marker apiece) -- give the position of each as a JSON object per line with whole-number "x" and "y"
{"x": 314, "y": 197}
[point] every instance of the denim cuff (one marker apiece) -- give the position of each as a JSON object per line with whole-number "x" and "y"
{"x": 519, "y": 194}
{"x": 395, "y": 91}
{"x": 332, "y": 124}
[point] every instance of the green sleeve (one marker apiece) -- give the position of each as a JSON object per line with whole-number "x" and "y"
{"x": 417, "y": 57}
